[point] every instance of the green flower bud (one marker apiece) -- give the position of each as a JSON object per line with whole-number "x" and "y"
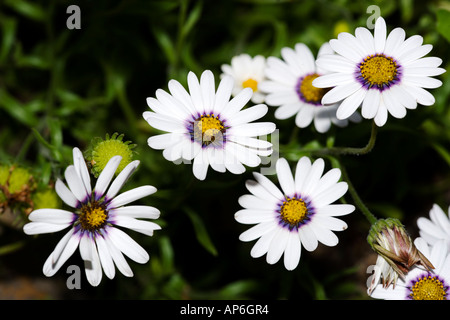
{"x": 100, "y": 151}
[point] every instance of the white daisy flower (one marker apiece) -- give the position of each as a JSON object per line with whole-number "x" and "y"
{"x": 300, "y": 214}
{"x": 94, "y": 219}
{"x": 419, "y": 283}
{"x": 437, "y": 227}
{"x": 381, "y": 74}
{"x": 207, "y": 127}
{"x": 247, "y": 72}
{"x": 289, "y": 87}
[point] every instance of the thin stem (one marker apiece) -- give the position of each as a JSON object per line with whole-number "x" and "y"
{"x": 357, "y": 200}
{"x": 337, "y": 151}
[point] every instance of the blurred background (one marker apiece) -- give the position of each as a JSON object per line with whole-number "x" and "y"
{"x": 61, "y": 88}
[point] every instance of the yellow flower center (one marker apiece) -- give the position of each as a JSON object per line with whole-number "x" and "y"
{"x": 378, "y": 70}
{"x": 293, "y": 211}
{"x": 208, "y": 129}
{"x": 307, "y": 92}
{"x": 93, "y": 216}
{"x": 428, "y": 288}
{"x": 250, "y": 83}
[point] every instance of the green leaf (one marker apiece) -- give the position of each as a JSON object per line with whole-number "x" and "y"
{"x": 27, "y": 8}
{"x": 443, "y": 23}
{"x": 200, "y": 232}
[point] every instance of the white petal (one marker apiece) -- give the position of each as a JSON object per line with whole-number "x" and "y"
{"x": 331, "y": 223}
{"x": 172, "y": 105}
{"x": 329, "y": 179}
{"x": 277, "y": 246}
{"x": 421, "y": 95}
{"x": 180, "y": 93}
{"x": 92, "y": 266}
{"x": 63, "y": 251}
{"x": 311, "y": 181}
{"x": 340, "y": 92}
{"x": 127, "y": 245}
{"x": 257, "y": 231}
{"x": 330, "y": 195}
{"x": 370, "y": 104}
{"x": 223, "y": 94}
{"x": 237, "y": 103}
{"x": 131, "y": 195}
{"x": 195, "y": 92}
{"x": 394, "y": 41}
{"x": 81, "y": 168}
{"x": 332, "y": 80}
{"x": 380, "y": 35}
{"x": 65, "y": 194}
{"x": 268, "y": 185}
{"x": 421, "y": 81}
{"x": 208, "y": 89}
{"x": 262, "y": 245}
{"x": 105, "y": 257}
{"x": 336, "y": 63}
{"x": 325, "y": 236}
{"x": 145, "y": 227}
{"x": 105, "y": 176}
{"x": 146, "y": 212}
{"x": 248, "y": 115}
{"x": 382, "y": 114}
{"x": 165, "y": 140}
{"x": 395, "y": 108}
{"x": 366, "y": 39}
{"x": 285, "y": 177}
{"x": 336, "y": 210}
{"x": 119, "y": 259}
{"x": 287, "y": 110}
{"x": 248, "y": 216}
{"x": 305, "y": 115}
{"x": 293, "y": 252}
{"x": 307, "y": 237}
{"x": 121, "y": 179}
{"x": 341, "y": 48}
{"x": 200, "y": 165}
{"x": 351, "y": 104}
{"x": 301, "y": 172}
{"x": 75, "y": 184}
{"x": 55, "y": 216}
{"x": 43, "y": 227}
{"x": 164, "y": 123}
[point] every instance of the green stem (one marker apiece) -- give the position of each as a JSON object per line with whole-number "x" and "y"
{"x": 356, "y": 199}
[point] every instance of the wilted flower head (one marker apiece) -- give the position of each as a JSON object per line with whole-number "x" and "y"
{"x": 390, "y": 240}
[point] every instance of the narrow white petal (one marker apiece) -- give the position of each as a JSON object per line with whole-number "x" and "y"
{"x": 325, "y": 236}
{"x": 75, "y": 184}
{"x": 301, "y": 172}
{"x": 313, "y": 178}
{"x": 287, "y": 110}
{"x": 380, "y": 35}
{"x": 340, "y": 92}
{"x": 249, "y": 216}
{"x": 165, "y": 140}
{"x": 92, "y": 267}
{"x": 332, "y": 80}
{"x": 351, "y": 104}
{"x": 305, "y": 115}
{"x": 253, "y": 129}
{"x": 127, "y": 245}
{"x": 200, "y": 165}
{"x": 81, "y": 168}
{"x": 268, "y": 185}
{"x": 440, "y": 218}
{"x": 382, "y": 114}
{"x": 105, "y": 257}
{"x": 105, "y": 176}
{"x": 308, "y": 238}
{"x": 145, "y": 227}
{"x": 330, "y": 195}
{"x": 180, "y": 93}
{"x": 285, "y": 177}
{"x": 195, "y": 92}
{"x": 262, "y": 245}
{"x": 394, "y": 41}
{"x": 336, "y": 63}
{"x": 55, "y": 216}
{"x": 421, "y": 95}
{"x": 164, "y": 123}
{"x": 257, "y": 231}
{"x": 65, "y": 194}
{"x": 207, "y": 86}
{"x": 331, "y": 223}
{"x": 63, "y": 251}
{"x": 237, "y": 103}
{"x": 131, "y": 195}
{"x": 336, "y": 210}
{"x": 119, "y": 259}
{"x": 395, "y": 108}
{"x": 145, "y": 212}
{"x": 329, "y": 179}
{"x": 223, "y": 94}
{"x": 293, "y": 252}
{"x": 43, "y": 227}
{"x": 370, "y": 104}
{"x": 249, "y": 201}
{"x": 121, "y": 179}
{"x": 248, "y": 115}
{"x": 175, "y": 108}
{"x": 366, "y": 39}
{"x": 341, "y": 48}
{"x": 277, "y": 245}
